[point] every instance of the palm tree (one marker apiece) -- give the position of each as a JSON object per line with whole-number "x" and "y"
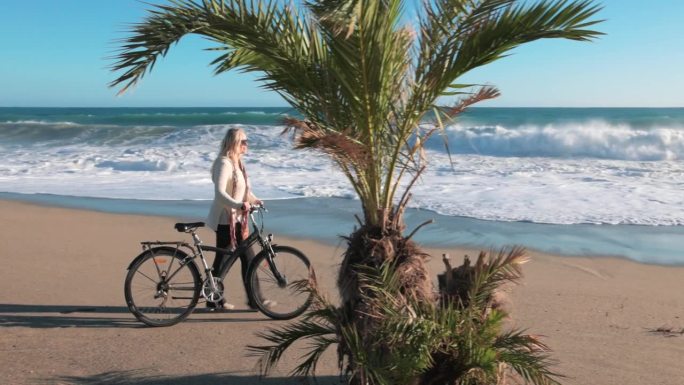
{"x": 416, "y": 342}
{"x": 363, "y": 81}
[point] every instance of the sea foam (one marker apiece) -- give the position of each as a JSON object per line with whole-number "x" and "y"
{"x": 598, "y": 170}
{"x": 595, "y": 139}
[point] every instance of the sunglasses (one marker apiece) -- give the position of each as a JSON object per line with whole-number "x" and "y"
{"x": 243, "y": 142}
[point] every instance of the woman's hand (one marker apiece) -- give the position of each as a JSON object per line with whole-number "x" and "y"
{"x": 246, "y": 206}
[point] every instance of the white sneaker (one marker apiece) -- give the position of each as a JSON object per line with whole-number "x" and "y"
{"x": 222, "y": 306}
{"x": 270, "y": 303}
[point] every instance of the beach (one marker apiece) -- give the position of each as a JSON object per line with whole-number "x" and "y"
{"x": 391, "y": 139}
{"x": 64, "y": 320}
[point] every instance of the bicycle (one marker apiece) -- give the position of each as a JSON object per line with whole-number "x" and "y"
{"x": 161, "y": 294}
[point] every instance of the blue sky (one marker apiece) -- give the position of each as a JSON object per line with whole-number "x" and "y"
{"x": 55, "y": 53}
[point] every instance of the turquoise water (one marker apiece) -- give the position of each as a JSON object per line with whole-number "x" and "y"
{"x": 327, "y": 219}
{"x": 176, "y": 116}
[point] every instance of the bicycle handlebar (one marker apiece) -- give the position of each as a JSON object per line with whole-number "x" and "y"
{"x": 261, "y": 207}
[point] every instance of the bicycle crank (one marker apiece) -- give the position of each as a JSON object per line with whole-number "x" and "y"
{"x": 213, "y": 293}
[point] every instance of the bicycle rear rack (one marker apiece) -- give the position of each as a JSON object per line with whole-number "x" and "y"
{"x": 147, "y": 245}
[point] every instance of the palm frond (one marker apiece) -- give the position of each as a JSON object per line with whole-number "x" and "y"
{"x": 283, "y": 338}
{"x": 268, "y": 38}
{"x": 340, "y": 146}
{"x": 527, "y": 356}
{"x": 483, "y": 93}
{"x": 341, "y": 15}
{"x": 490, "y": 273}
{"x": 458, "y": 36}
{"x": 319, "y": 326}
{"x": 164, "y": 26}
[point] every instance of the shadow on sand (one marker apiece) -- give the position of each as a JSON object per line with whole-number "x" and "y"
{"x": 80, "y": 316}
{"x": 147, "y": 377}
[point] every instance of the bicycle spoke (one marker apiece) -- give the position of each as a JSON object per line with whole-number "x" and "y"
{"x": 169, "y": 268}
{"x": 145, "y": 275}
{"x": 267, "y": 271}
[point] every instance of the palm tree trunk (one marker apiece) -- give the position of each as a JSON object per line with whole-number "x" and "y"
{"x": 371, "y": 246}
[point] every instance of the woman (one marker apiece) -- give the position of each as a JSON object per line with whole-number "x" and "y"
{"x": 232, "y": 199}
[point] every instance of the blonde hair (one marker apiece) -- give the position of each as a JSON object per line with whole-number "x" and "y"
{"x": 231, "y": 142}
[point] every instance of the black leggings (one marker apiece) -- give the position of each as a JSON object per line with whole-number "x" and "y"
{"x": 223, "y": 241}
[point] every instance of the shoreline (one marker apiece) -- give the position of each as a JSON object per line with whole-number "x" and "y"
{"x": 61, "y": 305}
{"x": 326, "y": 219}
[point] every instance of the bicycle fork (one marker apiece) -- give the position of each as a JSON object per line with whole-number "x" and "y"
{"x": 280, "y": 278}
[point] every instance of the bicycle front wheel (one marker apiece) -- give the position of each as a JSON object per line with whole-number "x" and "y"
{"x": 283, "y": 298}
{"x": 162, "y": 287}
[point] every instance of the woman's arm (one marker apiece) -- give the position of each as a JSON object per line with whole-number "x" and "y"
{"x": 221, "y": 181}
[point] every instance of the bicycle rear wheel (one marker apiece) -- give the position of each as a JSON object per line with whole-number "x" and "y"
{"x": 280, "y": 300}
{"x": 160, "y": 289}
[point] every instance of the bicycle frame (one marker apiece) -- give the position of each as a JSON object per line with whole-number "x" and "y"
{"x": 197, "y": 251}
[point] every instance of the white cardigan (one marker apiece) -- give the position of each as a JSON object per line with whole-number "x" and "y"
{"x": 222, "y": 176}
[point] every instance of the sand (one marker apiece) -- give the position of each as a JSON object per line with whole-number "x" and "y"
{"x": 64, "y": 321}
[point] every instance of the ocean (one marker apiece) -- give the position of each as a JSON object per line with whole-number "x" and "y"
{"x": 575, "y": 181}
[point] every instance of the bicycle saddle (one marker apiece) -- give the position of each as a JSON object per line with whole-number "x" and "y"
{"x": 185, "y": 227}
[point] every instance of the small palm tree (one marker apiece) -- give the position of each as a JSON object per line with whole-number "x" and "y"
{"x": 363, "y": 82}
{"x": 415, "y": 342}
